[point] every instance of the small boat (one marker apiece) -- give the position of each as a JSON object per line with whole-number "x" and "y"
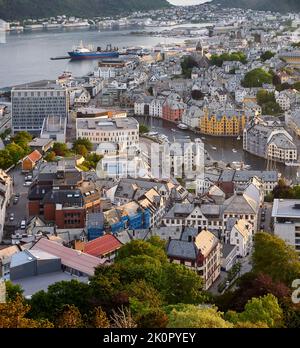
{"x": 153, "y": 134}
{"x": 234, "y": 150}
{"x": 182, "y": 126}
{"x": 214, "y": 148}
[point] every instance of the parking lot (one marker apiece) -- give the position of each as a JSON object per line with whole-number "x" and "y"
{"x": 19, "y": 209}
{"x": 265, "y": 218}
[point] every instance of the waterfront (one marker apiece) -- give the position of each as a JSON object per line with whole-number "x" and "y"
{"x": 223, "y": 145}
{"x": 25, "y": 57}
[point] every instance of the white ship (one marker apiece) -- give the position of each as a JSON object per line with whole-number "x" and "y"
{"x": 34, "y": 27}
{"x": 76, "y": 24}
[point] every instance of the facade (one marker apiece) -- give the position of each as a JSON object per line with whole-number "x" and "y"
{"x": 122, "y": 131}
{"x": 31, "y": 105}
{"x": 172, "y": 110}
{"x": 270, "y": 140}
{"x": 223, "y": 123}
{"x": 55, "y": 128}
{"x": 200, "y": 252}
{"x": 286, "y": 216}
{"x": 30, "y": 161}
{"x": 6, "y": 191}
{"x": 241, "y": 235}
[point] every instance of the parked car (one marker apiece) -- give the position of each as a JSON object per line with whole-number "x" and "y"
{"x": 27, "y": 183}
{"x": 11, "y": 217}
{"x": 16, "y": 200}
{"x": 23, "y": 225}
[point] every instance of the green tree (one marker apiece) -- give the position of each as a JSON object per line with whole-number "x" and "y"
{"x": 275, "y": 258}
{"x": 12, "y": 290}
{"x": 60, "y": 149}
{"x": 143, "y": 129}
{"x": 50, "y": 156}
{"x": 259, "y": 310}
{"x": 218, "y": 60}
{"x": 48, "y": 304}
{"x": 5, "y": 159}
{"x": 22, "y": 137}
{"x": 142, "y": 248}
{"x": 187, "y": 65}
{"x": 16, "y": 152}
{"x": 81, "y": 150}
{"x": 190, "y": 316}
{"x": 82, "y": 141}
{"x": 267, "y": 55}
{"x": 256, "y": 78}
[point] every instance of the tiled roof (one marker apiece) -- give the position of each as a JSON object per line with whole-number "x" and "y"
{"x": 102, "y": 245}
{"x": 74, "y": 259}
{"x": 34, "y": 156}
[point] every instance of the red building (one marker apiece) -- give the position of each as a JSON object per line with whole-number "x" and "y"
{"x": 173, "y": 110}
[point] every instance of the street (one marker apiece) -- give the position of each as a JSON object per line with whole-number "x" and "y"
{"x": 19, "y": 210}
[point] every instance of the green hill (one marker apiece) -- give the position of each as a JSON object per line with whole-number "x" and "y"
{"x": 264, "y": 5}
{"x": 20, "y": 9}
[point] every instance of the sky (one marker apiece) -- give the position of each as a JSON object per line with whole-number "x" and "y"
{"x": 186, "y": 2}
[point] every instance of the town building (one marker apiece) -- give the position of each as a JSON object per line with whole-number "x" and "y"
{"x": 6, "y": 191}
{"x": 269, "y": 139}
{"x": 223, "y": 123}
{"x": 198, "y": 251}
{"x": 122, "y": 131}
{"x": 32, "y": 103}
{"x": 55, "y": 128}
{"x": 286, "y": 218}
{"x": 30, "y": 161}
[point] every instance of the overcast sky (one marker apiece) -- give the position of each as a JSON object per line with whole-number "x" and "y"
{"x": 186, "y": 2}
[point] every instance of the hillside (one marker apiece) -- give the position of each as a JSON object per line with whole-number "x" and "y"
{"x": 264, "y": 5}
{"x": 20, "y": 9}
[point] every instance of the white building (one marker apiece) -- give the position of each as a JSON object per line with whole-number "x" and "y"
{"x": 122, "y": 131}
{"x": 241, "y": 235}
{"x": 286, "y": 215}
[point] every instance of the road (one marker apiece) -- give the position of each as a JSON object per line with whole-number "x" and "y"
{"x": 20, "y": 209}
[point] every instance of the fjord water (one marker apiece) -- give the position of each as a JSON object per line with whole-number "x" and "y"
{"x": 25, "y": 57}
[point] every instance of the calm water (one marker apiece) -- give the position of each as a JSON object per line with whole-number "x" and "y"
{"x": 25, "y": 57}
{"x": 224, "y": 147}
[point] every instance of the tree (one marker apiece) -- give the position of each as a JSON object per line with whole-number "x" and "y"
{"x": 16, "y": 152}
{"x": 143, "y": 129}
{"x": 22, "y": 137}
{"x": 48, "y": 304}
{"x": 228, "y": 57}
{"x": 264, "y": 310}
{"x": 275, "y": 258}
{"x": 60, "y": 149}
{"x": 99, "y": 318}
{"x": 122, "y": 319}
{"x": 282, "y": 190}
{"x": 69, "y": 317}
{"x": 13, "y": 315}
{"x": 267, "y": 55}
{"x": 190, "y": 316}
{"x": 187, "y": 65}
{"x": 197, "y": 94}
{"x": 182, "y": 285}
{"x": 12, "y": 290}
{"x": 140, "y": 247}
{"x": 50, "y": 156}
{"x": 5, "y": 159}
{"x": 81, "y": 150}
{"x": 83, "y": 141}
{"x": 256, "y": 78}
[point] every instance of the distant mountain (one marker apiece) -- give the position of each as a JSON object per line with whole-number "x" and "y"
{"x": 263, "y": 5}
{"x": 20, "y": 9}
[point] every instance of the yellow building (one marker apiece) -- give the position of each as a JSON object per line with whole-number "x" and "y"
{"x": 291, "y": 57}
{"x": 226, "y": 123}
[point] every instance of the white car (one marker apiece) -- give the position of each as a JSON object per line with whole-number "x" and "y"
{"x": 27, "y": 183}
{"x": 11, "y": 217}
